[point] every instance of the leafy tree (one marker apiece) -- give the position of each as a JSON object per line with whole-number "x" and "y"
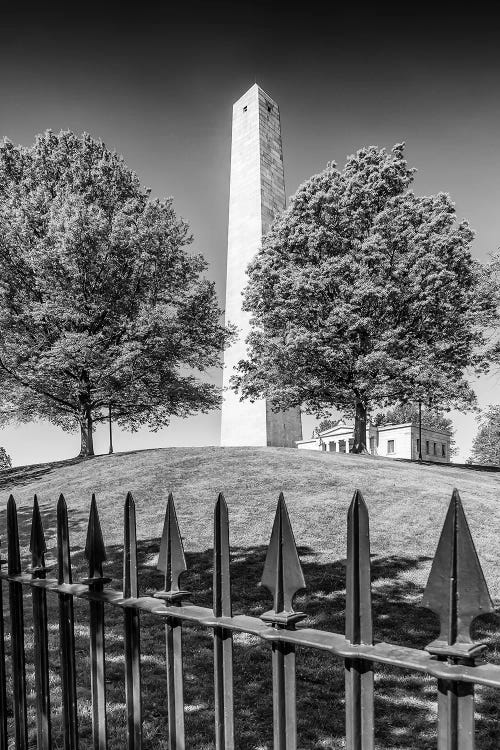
{"x": 5, "y": 459}
{"x": 325, "y": 424}
{"x": 364, "y": 294}
{"x": 100, "y": 302}
{"x": 434, "y": 420}
{"x": 486, "y": 444}
{"x": 493, "y": 329}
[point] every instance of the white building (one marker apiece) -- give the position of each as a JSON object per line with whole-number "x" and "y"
{"x": 391, "y": 441}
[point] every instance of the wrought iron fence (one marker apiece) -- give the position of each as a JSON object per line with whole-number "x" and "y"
{"x": 456, "y": 591}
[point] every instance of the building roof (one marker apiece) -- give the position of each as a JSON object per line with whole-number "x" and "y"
{"x": 342, "y": 427}
{"x": 425, "y": 428}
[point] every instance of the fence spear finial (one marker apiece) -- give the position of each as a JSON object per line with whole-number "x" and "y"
{"x": 38, "y": 547}
{"x": 63, "y": 548}
{"x": 358, "y": 625}
{"x": 14, "y": 553}
{"x": 171, "y": 559}
{"x": 456, "y": 590}
{"x": 222, "y": 576}
{"x": 130, "y": 585}
{"x": 95, "y": 552}
{"x": 282, "y": 575}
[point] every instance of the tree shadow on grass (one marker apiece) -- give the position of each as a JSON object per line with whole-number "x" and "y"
{"x": 405, "y": 702}
{"x": 79, "y": 523}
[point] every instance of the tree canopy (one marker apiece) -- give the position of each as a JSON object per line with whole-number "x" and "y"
{"x": 364, "y": 294}
{"x": 486, "y": 444}
{"x": 493, "y": 329}
{"x": 5, "y": 459}
{"x": 100, "y": 301}
{"x": 325, "y": 424}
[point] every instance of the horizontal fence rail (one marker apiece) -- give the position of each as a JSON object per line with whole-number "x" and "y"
{"x": 456, "y": 591}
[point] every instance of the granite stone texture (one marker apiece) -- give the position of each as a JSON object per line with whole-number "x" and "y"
{"x": 257, "y": 194}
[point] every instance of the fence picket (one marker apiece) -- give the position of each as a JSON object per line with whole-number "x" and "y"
{"x": 457, "y": 592}
{"x": 17, "y": 628}
{"x": 66, "y": 631}
{"x": 223, "y": 639}
{"x": 38, "y": 549}
{"x": 283, "y": 577}
{"x": 455, "y": 715}
{"x": 358, "y": 628}
{"x": 172, "y": 563}
{"x": 3, "y": 676}
{"x": 132, "y": 629}
{"x": 96, "y": 555}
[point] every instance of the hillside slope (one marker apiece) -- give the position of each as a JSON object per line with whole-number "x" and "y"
{"x": 407, "y": 502}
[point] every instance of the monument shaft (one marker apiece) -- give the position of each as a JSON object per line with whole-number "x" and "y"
{"x": 257, "y": 194}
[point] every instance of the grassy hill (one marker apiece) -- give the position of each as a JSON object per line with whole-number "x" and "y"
{"x": 407, "y": 504}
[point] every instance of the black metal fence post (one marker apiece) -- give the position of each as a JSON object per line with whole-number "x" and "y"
{"x": 283, "y": 578}
{"x": 17, "y": 628}
{"x": 96, "y": 555}
{"x": 132, "y": 629}
{"x": 38, "y": 549}
{"x": 223, "y": 639}
{"x": 358, "y": 629}
{"x": 457, "y": 592}
{"x": 172, "y": 563}
{"x": 66, "y": 630}
{"x": 3, "y": 675}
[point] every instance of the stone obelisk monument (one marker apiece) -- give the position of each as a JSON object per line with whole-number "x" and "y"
{"x": 257, "y": 194}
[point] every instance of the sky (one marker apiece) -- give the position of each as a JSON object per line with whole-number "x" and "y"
{"x": 158, "y": 84}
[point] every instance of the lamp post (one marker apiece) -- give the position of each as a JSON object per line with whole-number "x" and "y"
{"x": 110, "y": 432}
{"x": 419, "y": 430}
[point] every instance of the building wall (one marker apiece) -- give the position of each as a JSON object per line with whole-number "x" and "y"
{"x": 257, "y": 194}
{"x": 309, "y": 445}
{"x": 343, "y": 440}
{"x": 432, "y": 437}
{"x": 401, "y": 439}
{"x": 329, "y": 443}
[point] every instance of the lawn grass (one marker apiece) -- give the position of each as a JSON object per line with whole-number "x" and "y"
{"x": 407, "y": 504}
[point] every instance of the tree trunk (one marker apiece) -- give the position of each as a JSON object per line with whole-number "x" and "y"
{"x": 87, "y": 442}
{"x": 360, "y": 428}
{"x": 86, "y": 438}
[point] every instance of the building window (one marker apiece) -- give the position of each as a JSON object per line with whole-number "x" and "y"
{"x": 332, "y": 446}
{"x": 269, "y": 108}
{"x": 390, "y": 446}
{"x": 418, "y": 445}
{"x": 351, "y": 444}
{"x": 435, "y": 449}
{"x": 323, "y": 446}
{"x": 341, "y": 446}
{"x": 372, "y": 446}
{"x": 443, "y": 450}
{"x": 427, "y": 447}
{"x": 245, "y": 108}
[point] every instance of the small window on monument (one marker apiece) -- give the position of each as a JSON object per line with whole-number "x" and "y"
{"x": 245, "y": 108}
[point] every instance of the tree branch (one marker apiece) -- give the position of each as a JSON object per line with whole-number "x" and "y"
{"x": 40, "y": 391}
